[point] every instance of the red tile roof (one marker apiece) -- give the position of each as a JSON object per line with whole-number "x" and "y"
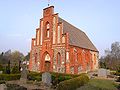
{"x": 76, "y": 36}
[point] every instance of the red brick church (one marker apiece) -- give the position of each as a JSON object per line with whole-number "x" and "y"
{"x": 61, "y": 47}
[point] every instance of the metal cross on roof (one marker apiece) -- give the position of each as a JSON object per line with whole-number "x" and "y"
{"x": 48, "y": 2}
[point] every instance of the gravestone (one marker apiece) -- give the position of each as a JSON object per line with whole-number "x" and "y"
{"x": 102, "y": 72}
{"x": 1, "y": 72}
{"x": 3, "y": 87}
{"x": 46, "y": 78}
{"x": 24, "y": 72}
{"x": 108, "y": 72}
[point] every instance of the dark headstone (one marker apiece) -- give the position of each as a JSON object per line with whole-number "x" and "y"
{"x": 46, "y": 78}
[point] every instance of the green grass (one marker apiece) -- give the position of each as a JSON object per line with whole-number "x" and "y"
{"x": 99, "y": 84}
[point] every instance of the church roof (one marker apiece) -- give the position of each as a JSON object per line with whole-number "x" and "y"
{"x": 76, "y": 36}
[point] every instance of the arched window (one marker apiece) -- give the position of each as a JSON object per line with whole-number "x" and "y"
{"x": 34, "y": 42}
{"x": 83, "y": 56}
{"x": 58, "y": 58}
{"x": 94, "y": 59}
{"x": 58, "y": 34}
{"x": 38, "y": 34}
{"x": 47, "y": 57}
{"x": 41, "y": 33}
{"x": 54, "y": 30}
{"x": 48, "y": 25}
{"x": 88, "y": 66}
{"x": 76, "y": 55}
{"x": 79, "y": 69}
{"x": 72, "y": 70}
{"x": 47, "y": 33}
{"x": 63, "y": 39}
{"x": 36, "y": 57}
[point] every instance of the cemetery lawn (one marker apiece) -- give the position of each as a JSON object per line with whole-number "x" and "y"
{"x": 99, "y": 84}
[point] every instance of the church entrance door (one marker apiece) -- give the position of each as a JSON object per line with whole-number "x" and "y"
{"x": 47, "y": 66}
{"x": 47, "y": 62}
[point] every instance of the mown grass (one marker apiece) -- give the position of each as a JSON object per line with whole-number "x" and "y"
{"x": 99, "y": 84}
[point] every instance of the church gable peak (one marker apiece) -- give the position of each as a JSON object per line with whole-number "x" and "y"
{"x": 48, "y": 11}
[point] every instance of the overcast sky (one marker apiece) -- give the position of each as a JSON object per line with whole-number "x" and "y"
{"x": 99, "y": 19}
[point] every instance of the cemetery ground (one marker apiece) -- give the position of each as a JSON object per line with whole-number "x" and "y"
{"x": 59, "y": 82}
{"x": 100, "y": 84}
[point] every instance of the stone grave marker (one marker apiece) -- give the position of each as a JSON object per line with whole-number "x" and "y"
{"x": 108, "y": 72}
{"x": 3, "y": 87}
{"x": 46, "y": 78}
{"x": 1, "y": 72}
{"x": 102, "y": 72}
{"x": 24, "y": 72}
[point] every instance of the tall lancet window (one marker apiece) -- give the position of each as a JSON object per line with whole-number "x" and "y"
{"x": 63, "y": 39}
{"x": 58, "y": 34}
{"x": 38, "y": 37}
{"x": 47, "y": 30}
{"x": 54, "y": 30}
{"x": 58, "y": 58}
{"x": 75, "y": 54}
{"x": 41, "y": 33}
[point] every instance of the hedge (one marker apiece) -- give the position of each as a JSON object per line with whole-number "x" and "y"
{"x": 34, "y": 76}
{"x": 56, "y": 77}
{"x": 64, "y": 74}
{"x": 8, "y": 77}
{"x": 74, "y": 83}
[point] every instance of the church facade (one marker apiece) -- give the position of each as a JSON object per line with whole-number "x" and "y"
{"x": 61, "y": 47}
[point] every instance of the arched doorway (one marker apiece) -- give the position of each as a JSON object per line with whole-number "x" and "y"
{"x": 47, "y": 62}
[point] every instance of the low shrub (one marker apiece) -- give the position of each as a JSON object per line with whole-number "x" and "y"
{"x": 15, "y": 70}
{"x": 1, "y": 67}
{"x": 2, "y": 81}
{"x": 112, "y": 72}
{"x": 118, "y": 87}
{"x": 59, "y": 77}
{"x": 64, "y": 74}
{"x": 62, "y": 78}
{"x": 74, "y": 83}
{"x": 118, "y": 73}
{"x": 8, "y": 77}
{"x": 34, "y": 76}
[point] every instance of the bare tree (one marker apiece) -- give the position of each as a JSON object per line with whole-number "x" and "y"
{"x": 16, "y": 58}
{"x": 112, "y": 57}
